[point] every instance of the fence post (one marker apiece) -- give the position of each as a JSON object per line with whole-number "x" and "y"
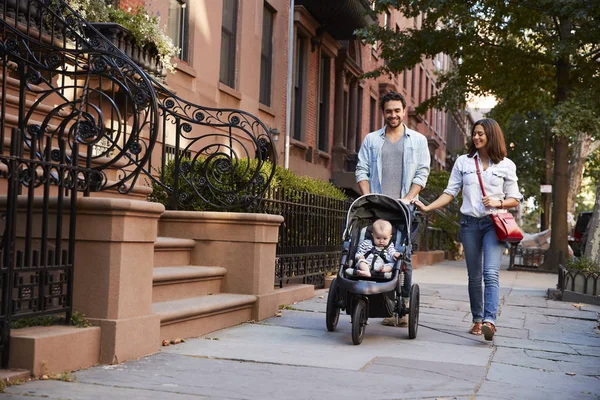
{"x": 426, "y": 232}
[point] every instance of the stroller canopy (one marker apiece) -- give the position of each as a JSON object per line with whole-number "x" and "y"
{"x": 375, "y": 206}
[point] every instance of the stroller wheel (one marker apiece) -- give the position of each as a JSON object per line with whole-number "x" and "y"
{"x": 332, "y": 314}
{"x": 359, "y": 322}
{"x": 413, "y": 313}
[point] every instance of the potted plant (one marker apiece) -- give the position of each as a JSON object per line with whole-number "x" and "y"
{"x": 142, "y": 26}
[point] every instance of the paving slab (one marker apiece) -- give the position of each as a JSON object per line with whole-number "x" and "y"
{"x": 533, "y": 379}
{"x": 534, "y": 345}
{"x": 506, "y": 391}
{"x": 544, "y": 349}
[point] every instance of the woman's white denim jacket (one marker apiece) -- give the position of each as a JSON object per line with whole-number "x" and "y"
{"x": 415, "y": 165}
{"x": 499, "y": 181}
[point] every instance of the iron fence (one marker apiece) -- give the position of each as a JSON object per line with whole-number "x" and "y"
{"x": 584, "y": 282}
{"x": 310, "y": 238}
{"x": 526, "y": 259}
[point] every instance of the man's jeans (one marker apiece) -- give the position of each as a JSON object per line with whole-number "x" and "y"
{"x": 483, "y": 253}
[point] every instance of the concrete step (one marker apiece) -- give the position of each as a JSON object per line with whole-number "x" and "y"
{"x": 175, "y": 283}
{"x": 197, "y": 316}
{"x": 172, "y": 251}
{"x": 54, "y": 349}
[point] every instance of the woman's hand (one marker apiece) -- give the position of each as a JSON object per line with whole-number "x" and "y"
{"x": 491, "y": 203}
{"x": 419, "y": 205}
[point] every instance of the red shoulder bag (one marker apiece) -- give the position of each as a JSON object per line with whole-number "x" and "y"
{"x": 507, "y": 229}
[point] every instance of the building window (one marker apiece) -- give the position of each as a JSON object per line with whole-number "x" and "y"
{"x": 421, "y": 74}
{"x": 178, "y": 26}
{"x": 299, "y": 87}
{"x": 324, "y": 101}
{"x": 414, "y": 90}
{"x": 359, "y": 108}
{"x": 266, "y": 56}
{"x": 373, "y": 115}
{"x": 345, "y": 122}
{"x": 171, "y": 153}
{"x": 228, "y": 42}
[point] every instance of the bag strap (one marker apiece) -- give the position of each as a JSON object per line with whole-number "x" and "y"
{"x": 479, "y": 176}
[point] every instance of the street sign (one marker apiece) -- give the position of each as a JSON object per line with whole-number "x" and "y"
{"x": 545, "y": 188}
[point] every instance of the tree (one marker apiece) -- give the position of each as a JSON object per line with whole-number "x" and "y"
{"x": 525, "y": 52}
{"x": 592, "y": 245}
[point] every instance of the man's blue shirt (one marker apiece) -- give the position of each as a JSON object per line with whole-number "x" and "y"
{"x": 415, "y": 166}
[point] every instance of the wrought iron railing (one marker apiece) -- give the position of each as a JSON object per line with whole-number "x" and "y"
{"x": 85, "y": 118}
{"x": 584, "y": 282}
{"x": 528, "y": 259}
{"x": 310, "y": 238}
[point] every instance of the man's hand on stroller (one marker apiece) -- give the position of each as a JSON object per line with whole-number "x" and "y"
{"x": 396, "y": 255}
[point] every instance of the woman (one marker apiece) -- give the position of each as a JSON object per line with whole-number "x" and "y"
{"x": 483, "y": 251}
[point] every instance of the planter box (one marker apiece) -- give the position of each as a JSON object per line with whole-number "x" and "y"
{"x": 581, "y": 286}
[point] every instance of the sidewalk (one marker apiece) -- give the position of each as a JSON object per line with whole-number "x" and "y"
{"x": 544, "y": 349}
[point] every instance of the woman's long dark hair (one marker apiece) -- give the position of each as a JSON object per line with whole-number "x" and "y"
{"x": 496, "y": 147}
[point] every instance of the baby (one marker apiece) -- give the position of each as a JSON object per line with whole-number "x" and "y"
{"x": 378, "y": 254}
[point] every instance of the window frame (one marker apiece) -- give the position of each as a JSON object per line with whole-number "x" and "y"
{"x": 229, "y": 68}
{"x": 266, "y": 60}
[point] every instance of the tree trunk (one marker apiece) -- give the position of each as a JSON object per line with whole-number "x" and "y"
{"x": 592, "y": 245}
{"x": 582, "y": 148}
{"x": 546, "y": 197}
{"x": 557, "y": 253}
{"x": 559, "y": 243}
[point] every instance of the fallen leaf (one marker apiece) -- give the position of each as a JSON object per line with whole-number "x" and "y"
{"x": 165, "y": 342}
{"x": 321, "y": 297}
{"x": 571, "y": 373}
{"x": 215, "y": 338}
{"x": 44, "y": 377}
{"x": 278, "y": 314}
{"x": 176, "y": 341}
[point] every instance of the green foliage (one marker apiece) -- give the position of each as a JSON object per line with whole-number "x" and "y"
{"x": 77, "y": 319}
{"x": 447, "y": 219}
{"x": 509, "y": 49}
{"x": 46, "y": 320}
{"x": 583, "y": 264}
{"x": 530, "y": 221}
{"x": 144, "y": 27}
{"x": 238, "y": 182}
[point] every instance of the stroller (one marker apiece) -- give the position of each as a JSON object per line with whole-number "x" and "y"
{"x": 377, "y": 296}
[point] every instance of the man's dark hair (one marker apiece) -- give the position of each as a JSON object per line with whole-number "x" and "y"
{"x": 392, "y": 96}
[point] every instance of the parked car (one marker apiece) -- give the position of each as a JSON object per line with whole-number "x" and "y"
{"x": 580, "y": 233}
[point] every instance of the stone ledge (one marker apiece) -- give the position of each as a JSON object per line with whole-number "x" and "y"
{"x": 54, "y": 349}
{"x": 267, "y": 305}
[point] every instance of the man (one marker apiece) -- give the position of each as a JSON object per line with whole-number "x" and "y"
{"x": 394, "y": 161}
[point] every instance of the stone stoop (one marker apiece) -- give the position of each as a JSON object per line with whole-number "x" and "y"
{"x": 188, "y": 298}
{"x": 196, "y": 316}
{"x": 51, "y": 350}
{"x": 424, "y": 258}
{"x": 172, "y": 251}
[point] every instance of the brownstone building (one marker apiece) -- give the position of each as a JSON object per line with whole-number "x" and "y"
{"x": 235, "y": 54}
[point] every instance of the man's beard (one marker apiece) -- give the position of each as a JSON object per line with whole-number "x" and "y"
{"x": 393, "y": 122}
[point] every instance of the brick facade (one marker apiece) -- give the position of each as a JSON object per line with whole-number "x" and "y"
{"x": 198, "y": 81}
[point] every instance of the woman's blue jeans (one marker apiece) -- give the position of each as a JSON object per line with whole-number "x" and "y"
{"x": 483, "y": 253}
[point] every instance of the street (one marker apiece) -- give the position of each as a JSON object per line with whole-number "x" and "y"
{"x": 543, "y": 349}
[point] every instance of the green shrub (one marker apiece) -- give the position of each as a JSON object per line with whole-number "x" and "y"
{"x": 233, "y": 180}
{"x": 449, "y": 221}
{"x": 583, "y": 264}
